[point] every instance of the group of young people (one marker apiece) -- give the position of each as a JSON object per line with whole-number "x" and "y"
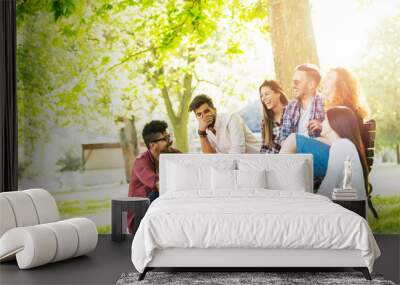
{"x": 310, "y": 123}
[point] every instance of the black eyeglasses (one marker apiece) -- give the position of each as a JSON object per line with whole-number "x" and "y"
{"x": 166, "y": 138}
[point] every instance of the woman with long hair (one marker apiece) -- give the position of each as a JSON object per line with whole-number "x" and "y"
{"x": 340, "y": 123}
{"x": 273, "y": 101}
{"x": 340, "y": 88}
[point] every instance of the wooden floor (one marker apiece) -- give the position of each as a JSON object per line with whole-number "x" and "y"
{"x": 110, "y": 260}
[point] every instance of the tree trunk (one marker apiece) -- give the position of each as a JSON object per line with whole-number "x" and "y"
{"x": 293, "y": 40}
{"x": 181, "y": 136}
{"x": 129, "y": 145}
{"x": 180, "y": 120}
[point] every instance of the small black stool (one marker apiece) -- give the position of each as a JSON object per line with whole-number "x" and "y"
{"x": 136, "y": 205}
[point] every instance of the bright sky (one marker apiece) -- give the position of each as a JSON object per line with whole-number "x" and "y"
{"x": 341, "y": 28}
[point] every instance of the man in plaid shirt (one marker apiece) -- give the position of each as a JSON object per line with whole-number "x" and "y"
{"x": 305, "y": 113}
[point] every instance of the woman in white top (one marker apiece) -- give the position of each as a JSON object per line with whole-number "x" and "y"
{"x": 340, "y": 125}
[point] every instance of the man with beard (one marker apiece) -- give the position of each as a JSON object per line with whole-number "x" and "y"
{"x": 144, "y": 178}
{"x": 221, "y": 133}
{"x": 306, "y": 111}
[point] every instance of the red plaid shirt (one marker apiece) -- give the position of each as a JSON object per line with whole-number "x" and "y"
{"x": 144, "y": 178}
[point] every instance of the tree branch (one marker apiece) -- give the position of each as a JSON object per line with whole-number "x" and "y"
{"x": 129, "y": 57}
{"x": 204, "y": 80}
{"x": 168, "y": 104}
{"x": 187, "y": 84}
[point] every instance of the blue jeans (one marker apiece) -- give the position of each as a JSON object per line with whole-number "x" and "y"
{"x": 319, "y": 150}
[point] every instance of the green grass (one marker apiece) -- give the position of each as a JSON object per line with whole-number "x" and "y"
{"x": 74, "y": 208}
{"x": 104, "y": 229}
{"x": 388, "y": 208}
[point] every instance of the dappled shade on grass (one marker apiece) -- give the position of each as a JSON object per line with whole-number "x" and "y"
{"x": 388, "y": 208}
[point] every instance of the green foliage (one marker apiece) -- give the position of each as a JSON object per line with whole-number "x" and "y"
{"x": 59, "y": 8}
{"x": 388, "y": 208}
{"x": 73, "y": 56}
{"x": 62, "y": 8}
{"x": 379, "y": 76}
{"x": 69, "y": 162}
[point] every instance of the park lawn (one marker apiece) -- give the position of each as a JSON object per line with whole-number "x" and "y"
{"x": 388, "y": 208}
{"x": 104, "y": 229}
{"x": 75, "y": 208}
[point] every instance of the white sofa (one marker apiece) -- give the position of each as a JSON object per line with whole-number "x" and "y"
{"x": 31, "y": 230}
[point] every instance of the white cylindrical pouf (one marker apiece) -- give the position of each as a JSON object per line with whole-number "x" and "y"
{"x": 87, "y": 234}
{"x": 7, "y": 218}
{"x": 45, "y": 205}
{"x": 23, "y": 208}
{"x": 67, "y": 240}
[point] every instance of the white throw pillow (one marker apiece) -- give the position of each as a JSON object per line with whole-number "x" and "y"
{"x": 294, "y": 180}
{"x": 282, "y": 173}
{"x": 251, "y": 178}
{"x": 187, "y": 175}
{"x": 183, "y": 178}
{"x": 223, "y": 179}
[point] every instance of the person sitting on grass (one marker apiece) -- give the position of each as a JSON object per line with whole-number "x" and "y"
{"x": 340, "y": 126}
{"x": 144, "y": 178}
{"x": 221, "y": 132}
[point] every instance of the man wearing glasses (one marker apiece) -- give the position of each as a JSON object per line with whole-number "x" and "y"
{"x": 144, "y": 178}
{"x": 306, "y": 111}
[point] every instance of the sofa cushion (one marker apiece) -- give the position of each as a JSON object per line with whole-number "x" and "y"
{"x": 7, "y": 215}
{"x": 23, "y": 208}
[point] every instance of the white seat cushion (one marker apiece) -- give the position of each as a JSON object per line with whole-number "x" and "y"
{"x": 46, "y": 207}
{"x": 7, "y": 220}
{"x": 87, "y": 234}
{"x": 23, "y": 208}
{"x": 67, "y": 239}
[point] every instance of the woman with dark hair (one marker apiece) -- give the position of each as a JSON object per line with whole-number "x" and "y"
{"x": 274, "y": 102}
{"x": 340, "y": 123}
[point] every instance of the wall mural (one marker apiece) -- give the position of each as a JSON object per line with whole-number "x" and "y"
{"x": 92, "y": 73}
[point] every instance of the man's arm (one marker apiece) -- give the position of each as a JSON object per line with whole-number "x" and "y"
{"x": 204, "y": 142}
{"x": 146, "y": 175}
{"x": 206, "y": 145}
{"x": 238, "y": 138}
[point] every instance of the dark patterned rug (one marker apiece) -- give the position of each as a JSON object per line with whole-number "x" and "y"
{"x": 229, "y": 278}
